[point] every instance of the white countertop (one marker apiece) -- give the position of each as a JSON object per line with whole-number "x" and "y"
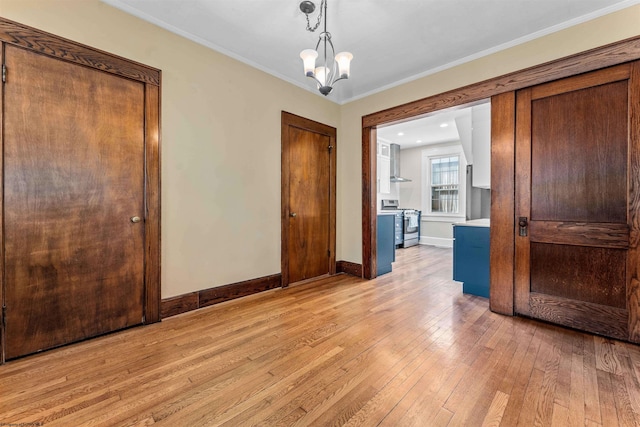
{"x": 483, "y": 222}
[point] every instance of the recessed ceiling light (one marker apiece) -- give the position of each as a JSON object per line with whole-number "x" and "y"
{"x": 418, "y": 141}
{"x": 400, "y": 133}
{"x": 444, "y": 125}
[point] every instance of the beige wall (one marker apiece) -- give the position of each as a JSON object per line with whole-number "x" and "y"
{"x": 221, "y": 133}
{"x": 220, "y": 142}
{"x": 607, "y": 29}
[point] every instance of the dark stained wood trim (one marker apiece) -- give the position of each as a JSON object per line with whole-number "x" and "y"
{"x": 501, "y": 264}
{"x": 612, "y": 322}
{"x": 287, "y": 120}
{"x": 369, "y": 209}
{"x": 633, "y": 216}
{"x": 349, "y": 268}
{"x": 601, "y": 57}
{"x": 179, "y": 304}
{"x": 152, "y": 201}
{"x": 236, "y": 290}
{"x": 206, "y": 297}
{"x": 2, "y": 282}
{"x": 522, "y": 272}
{"x": 593, "y": 59}
{"x": 61, "y": 48}
{"x": 601, "y": 235}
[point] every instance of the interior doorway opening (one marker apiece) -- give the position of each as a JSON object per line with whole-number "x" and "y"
{"x": 434, "y": 172}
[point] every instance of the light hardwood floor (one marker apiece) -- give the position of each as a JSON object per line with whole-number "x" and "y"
{"x": 405, "y": 349}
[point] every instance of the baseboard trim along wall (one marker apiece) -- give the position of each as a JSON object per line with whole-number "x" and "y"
{"x": 206, "y": 297}
{"x": 349, "y": 267}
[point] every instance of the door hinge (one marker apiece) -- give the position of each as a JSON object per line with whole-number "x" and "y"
{"x": 4, "y": 317}
{"x": 329, "y": 253}
{"x": 4, "y": 73}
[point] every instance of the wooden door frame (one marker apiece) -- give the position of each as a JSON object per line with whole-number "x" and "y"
{"x": 43, "y": 43}
{"x": 288, "y": 119}
{"x": 501, "y": 90}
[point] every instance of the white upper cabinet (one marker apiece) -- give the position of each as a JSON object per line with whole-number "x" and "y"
{"x": 481, "y": 146}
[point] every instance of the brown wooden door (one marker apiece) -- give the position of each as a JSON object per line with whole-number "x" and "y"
{"x": 577, "y": 174}
{"x": 73, "y": 179}
{"x": 308, "y": 199}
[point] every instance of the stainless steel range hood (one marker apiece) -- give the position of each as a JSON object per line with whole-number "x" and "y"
{"x": 395, "y": 164}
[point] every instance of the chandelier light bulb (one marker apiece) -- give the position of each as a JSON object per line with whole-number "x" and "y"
{"x": 344, "y": 63}
{"x": 309, "y": 60}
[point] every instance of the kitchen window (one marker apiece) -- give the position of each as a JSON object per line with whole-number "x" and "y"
{"x": 444, "y": 178}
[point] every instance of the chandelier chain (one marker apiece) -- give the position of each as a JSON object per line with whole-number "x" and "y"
{"x": 315, "y": 27}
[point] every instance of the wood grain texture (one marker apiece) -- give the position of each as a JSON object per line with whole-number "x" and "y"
{"x": 80, "y": 57}
{"x": 349, "y": 267}
{"x": 594, "y": 59}
{"x": 571, "y": 177}
{"x": 206, "y": 297}
{"x": 633, "y": 259}
{"x": 2, "y": 282}
{"x": 74, "y": 259}
{"x": 23, "y": 36}
{"x": 585, "y": 273}
{"x": 602, "y": 235}
{"x": 308, "y": 205}
{"x": 579, "y": 153}
{"x": 369, "y": 209}
{"x": 236, "y": 290}
{"x": 502, "y": 236}
{"x": 179, "y": 304}
{"x": 596, "y": 318}
{"x": 407, "y": 348}
{"x": 522, "y": 200}
{"x": 152, "y": 239}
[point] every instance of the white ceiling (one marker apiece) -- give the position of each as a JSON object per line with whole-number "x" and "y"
{"x": 392, "y": 41}
{"x": 437, "y": 128}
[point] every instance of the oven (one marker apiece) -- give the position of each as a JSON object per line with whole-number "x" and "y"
{"x": 411, "y": 227}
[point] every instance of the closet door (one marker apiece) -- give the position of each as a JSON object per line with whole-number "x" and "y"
{"x": 74, "y": 161}
{"x": 577, "y": 204}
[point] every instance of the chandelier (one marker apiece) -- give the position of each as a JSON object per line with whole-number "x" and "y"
{"x": 332, "y": 67}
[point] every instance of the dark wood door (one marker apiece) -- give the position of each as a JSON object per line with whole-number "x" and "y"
{"x": 577, "y": 167}
{"x": 308, "y": 211}
{"x": 73, "y": 180}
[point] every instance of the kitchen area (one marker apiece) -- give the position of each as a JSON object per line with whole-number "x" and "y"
{"x": 434, "y": 188}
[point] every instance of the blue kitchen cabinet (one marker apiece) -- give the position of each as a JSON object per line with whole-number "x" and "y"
{"x": 386, "y": 243}
{"x": 471, "y": 257}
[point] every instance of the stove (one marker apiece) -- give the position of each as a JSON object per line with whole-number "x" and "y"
{"x": 407, "y": 223}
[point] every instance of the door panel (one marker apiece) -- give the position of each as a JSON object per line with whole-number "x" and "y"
{"x": 308, "y": 194}
{"x": 572, "y": 162}
{"x": 73, "y": 178}
{"x": 579, "y": 155}
{"x": 309, "y": 200}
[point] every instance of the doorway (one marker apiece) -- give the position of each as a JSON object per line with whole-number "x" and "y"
{"x": 504, "y": 224}
{"x": 308, "y": 219}
{"x": 441, "y": 166}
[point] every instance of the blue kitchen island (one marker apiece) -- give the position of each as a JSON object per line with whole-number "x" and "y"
{"x": 471, "y": 256}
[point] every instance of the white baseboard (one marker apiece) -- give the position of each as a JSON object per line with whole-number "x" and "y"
{"x": 439, "y": 242}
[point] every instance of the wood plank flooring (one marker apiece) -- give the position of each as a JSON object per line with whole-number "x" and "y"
{"x": 406, "y": 349}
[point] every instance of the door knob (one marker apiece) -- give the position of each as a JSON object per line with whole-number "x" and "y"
{"x": 293, "y": 214}
{"x": 523, "y": 223}
{"x": 135, "y": 219}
